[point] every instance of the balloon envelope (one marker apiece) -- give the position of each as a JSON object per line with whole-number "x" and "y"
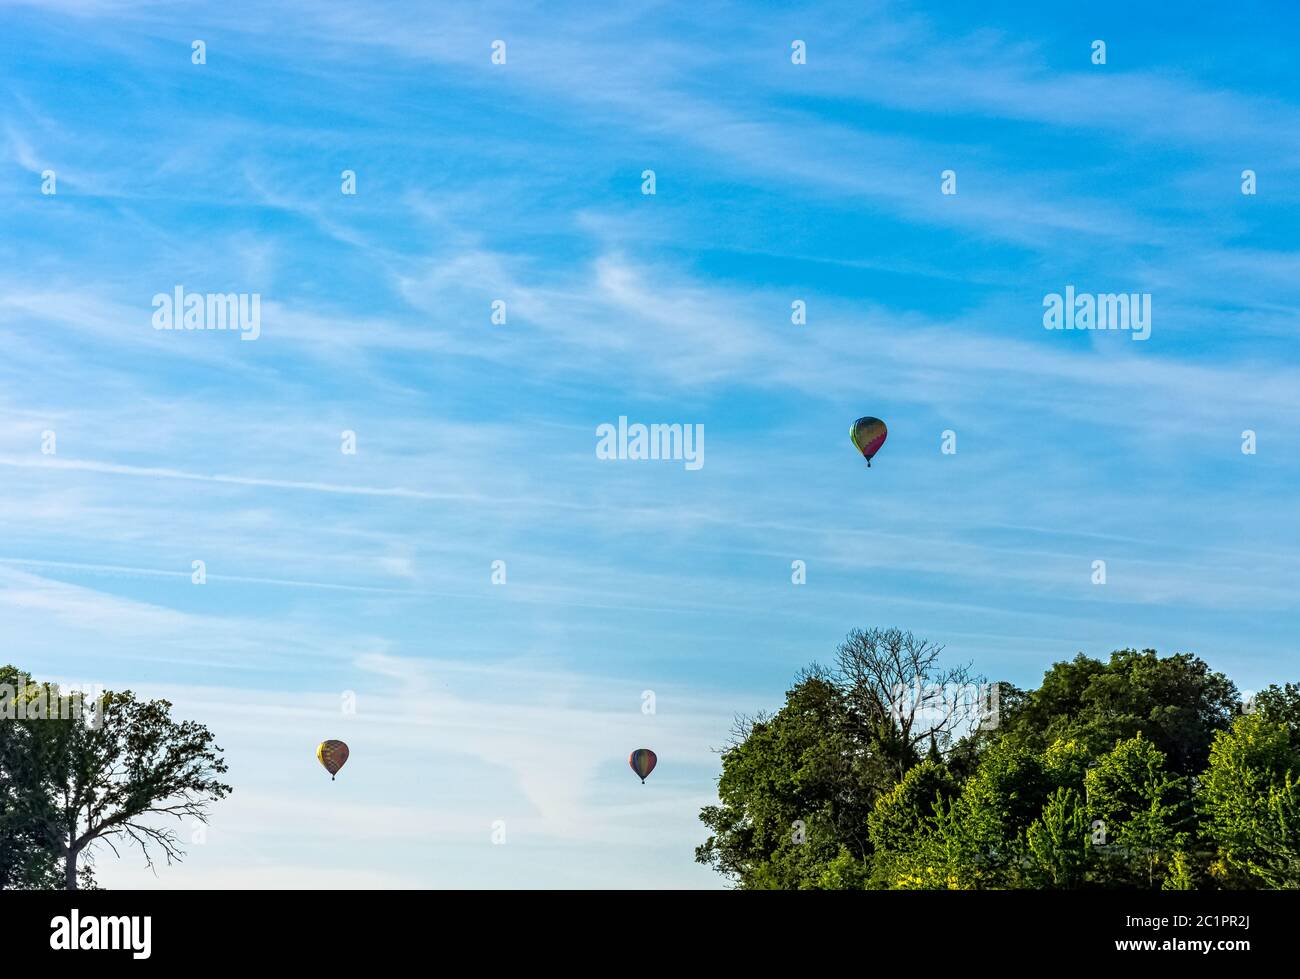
{"x": 643, "y": 762}
{"x": 868, "y": 435}
{"x": 333, "y": 755}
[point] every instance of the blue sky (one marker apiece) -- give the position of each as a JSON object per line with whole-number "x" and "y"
{"x": 775, "y": 182}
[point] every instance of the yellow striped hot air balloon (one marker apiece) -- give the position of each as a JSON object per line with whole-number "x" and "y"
{"x": 333, "y": 755}
{"x": 868, "y": 435}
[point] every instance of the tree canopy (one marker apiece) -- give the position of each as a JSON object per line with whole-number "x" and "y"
{"x": 76, "y": 773}
{"x": 1140, "y": 771}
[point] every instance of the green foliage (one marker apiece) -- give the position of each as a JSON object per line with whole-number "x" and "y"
{"x": 1183, "y": 873}
{"x": 1058, "y": 842}
{"x": 113, "y": 771}
{"x": 1176, "y": 702}
{"x": 1129, "y": 773}
{"x": 805, "y": 765}
{"x": 845, "y": 873}
{"x": 28, "y": 837}
{"x": 1143, "y": 809}
{"x": 1281, "y": 705}
{"x": 1278, "y": 863}
{"x": 1248, "y": 804}
{"x": 905, "y": 811}
{"x": 997, "y": 806}
{"x": 1066, "y": 762}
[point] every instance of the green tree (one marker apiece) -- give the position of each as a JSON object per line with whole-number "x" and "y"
{"x": 1143, "y": 807}
{"x": 1066, "y": 762}
{"x": 117, "y": 777}
{"x": 904, "y": 818}
{"x": 1279, "y": 863}
{"x": 991, "y": 818}
{"x": 974, "y": 840}
{"x": 906, "y": 811}
{"x": 1281, "y": 705}
{"x": 1126, "y": 773}
{"x": 28, "y": 843}
{"x": 1248, "y": 803}
{"x": 75, "y": 773}
{"x": 795, "y": 789}
{"x": 1177, "y": 702}
{"x": 845, "y": 873}
{"x": 1059, "y": 842}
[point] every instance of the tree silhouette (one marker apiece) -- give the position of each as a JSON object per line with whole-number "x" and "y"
{"x": 109, "y": 771}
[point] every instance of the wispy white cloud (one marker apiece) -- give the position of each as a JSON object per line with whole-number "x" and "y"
{"x": 330, "y": 572}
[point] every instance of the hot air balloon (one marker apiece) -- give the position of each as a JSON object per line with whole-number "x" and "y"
{"x": 643, "y": 762}
{"x": 333, "y": 755}
{"x": 868, "y": 435}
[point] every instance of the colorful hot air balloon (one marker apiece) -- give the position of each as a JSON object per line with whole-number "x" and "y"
{"x": 868, "y": 435}
{"x": 333, "y": 755}
{"x": 643, "y": 762}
